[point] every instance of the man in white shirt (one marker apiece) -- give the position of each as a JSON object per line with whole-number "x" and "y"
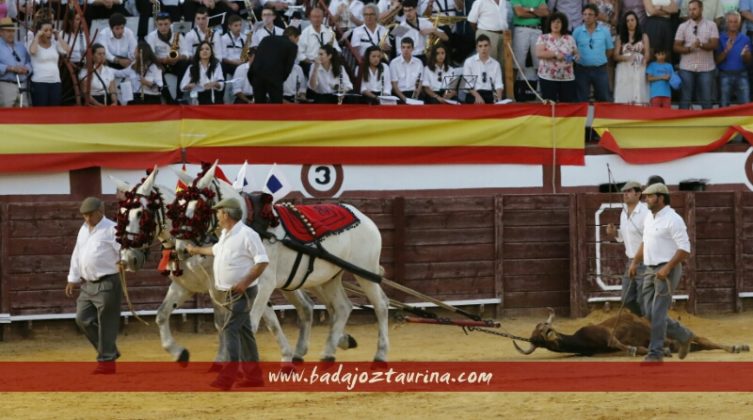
{"x": 486, "y": 72}
{"x": 371, "y": 33}
{"x": 418, "y": 29}
{"x": 294, "y": 88}
{"x": 242, "y": 89}
{"x": 630, "y": 233}
{"x": 405, "y": 72}
{"x": 232, "y": 44}
{"x": 93, "y": 266}
{"x": 195, "y": 36}
{"x": 239, "y": 261}
{"x": 269, "y": 28}
{"x": 119, "y": 43}
{"x": 665, "y": 246}
{"x": 162, "y": 41}
{"x": 314, "y": 37}
{"x": 489, "y": 17}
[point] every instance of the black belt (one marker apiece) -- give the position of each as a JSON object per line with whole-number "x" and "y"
{"x": 99, "y": 279}
{"x": 590, "y": 67}
{"x": 656, "y": 266}
{"x": 529, "y": 26}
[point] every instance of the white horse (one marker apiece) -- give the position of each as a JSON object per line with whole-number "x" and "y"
{"x": 145, "y": 209}
{"x": 360, "y": 245}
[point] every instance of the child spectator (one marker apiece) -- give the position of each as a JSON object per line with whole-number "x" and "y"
{"x": 658, "y": 74}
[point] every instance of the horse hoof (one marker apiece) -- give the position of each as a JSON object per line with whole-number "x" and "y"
{"x": 744, "y": 348}
{"x": 352, "y": 343}
{"x": 297, "y": 360}
{"x": 378, "y": 364}
{"x": 183, "y": 358}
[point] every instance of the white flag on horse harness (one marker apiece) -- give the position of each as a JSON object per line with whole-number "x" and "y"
{"x": 240, "y": 179}
{"x": 276, "y": 185}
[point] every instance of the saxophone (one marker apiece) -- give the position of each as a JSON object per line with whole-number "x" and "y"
{"x": 174, "y": 46}
{"x": 246, "y": 46}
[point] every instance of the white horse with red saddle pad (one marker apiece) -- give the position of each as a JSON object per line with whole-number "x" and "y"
{"x": 359, "y": 243}
{"x": 141, "y": 221}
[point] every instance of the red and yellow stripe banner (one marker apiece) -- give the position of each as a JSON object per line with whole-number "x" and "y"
{"x": 56, "y": 139}
{"x": 653, "y": 135}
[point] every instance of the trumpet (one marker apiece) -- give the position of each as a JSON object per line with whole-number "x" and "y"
{"x": 251, "y": 16}
{"x": 246, "y": 46}
{"x": 156, "y": 8}
{"x": 209, "y": 35}
{"x": 439, "y": 20}
{"x": 174, "y": 46}
{"x": 389, "y": 28}
{"x": 417, "y": 89}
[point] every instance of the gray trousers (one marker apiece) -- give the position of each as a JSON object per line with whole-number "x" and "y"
{"x": 657, "y": 298}
{"x": 98, "y": 314}
{"x": 632, "y": 290}
{"x": 236, "y": 338}
{"x": 524, "y": 41}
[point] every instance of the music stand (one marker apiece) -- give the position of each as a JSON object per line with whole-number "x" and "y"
{"x": 182, "y": 27}
{"x": 467, "y": 82}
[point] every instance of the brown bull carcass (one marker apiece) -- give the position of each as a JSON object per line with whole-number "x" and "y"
{"x": 624, "y": 332}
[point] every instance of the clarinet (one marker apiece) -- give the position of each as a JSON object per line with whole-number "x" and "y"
{"x": 494, "y": 91}
{"x": 297, "y": 86}
{"x": 418, "y": 86}
{"x": 142, "y": 73}
{"x": 341, "y": 88}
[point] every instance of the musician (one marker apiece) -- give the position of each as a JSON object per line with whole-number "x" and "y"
{"x": 487, "y": 72}
{"x": 98, "y": 87}
{"x": 375, "y": 76}
{"x": 74, "y": 36}
{"x": 145, "y": 77}
{"x": 294, "y": 88}
{"x": 191, "y": 8}
{"x": 269, "y": 28}
{"x": 370, "y": 33}
{"x": 447, "y": 7}
{"x": 242, "y": 89}
{"x": 328, "y": 77}
{"x": 418, "y": 29}
{"x": 346, "y": 14}
{"x": 436, "y": 75}
{"x": 198, "y": 35}
{"x": 204, "y": 76}
{"x": 162, "y": 41}
{"x": 119, "y": 43}
{"x": 273, "y": 64}
{"x": 45, "y": 50}
{"x": 15, "y": 64}
{"x": 232, "y": 44}
{"x": 406, "y": 72}
{"x": 389, "y": 10}
{"x": 313, "y": 38}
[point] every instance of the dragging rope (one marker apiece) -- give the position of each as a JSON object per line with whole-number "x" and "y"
{"x": 124, "y": 286}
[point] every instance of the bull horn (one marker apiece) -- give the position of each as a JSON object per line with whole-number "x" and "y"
{"x": 206, "y": 180}
{"x": 183, "y": 176}
{"x": 120, "y": 185}
{"x": 526, "y": 352}
{"x": 146, "y": 187}
{"x": 551, "y": 316}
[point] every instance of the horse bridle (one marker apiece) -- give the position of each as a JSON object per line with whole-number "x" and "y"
{"x": 151, "y": 222}
{"x": 203, "y": 222}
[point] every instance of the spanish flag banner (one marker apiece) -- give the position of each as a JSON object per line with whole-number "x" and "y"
{"x": 642, "y": 135}
{"x": 59, "y": 139}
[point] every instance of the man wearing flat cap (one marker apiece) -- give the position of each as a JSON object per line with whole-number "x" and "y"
{"x": 15, "y": 65}
{"x": 239, "y": 260}
{"x": 94, "y": 267}
{"x": 665, "y": 246}
{"x": 631, "y": 234}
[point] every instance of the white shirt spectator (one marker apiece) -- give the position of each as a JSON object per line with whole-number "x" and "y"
{"x": 488, "y": 15}
{"x": 100, "y": 85}
{"x": 382, "y": 84}
{"x": 161, "y": 48}
{"x": 153, "y": 75}
{"x": 488, "y": 74}
{"x": 311, "y": 41}
{"x": 240, "y": 81}
{"x": 631, "y": 228}
{"x": 124, "y": 47}
{"x": 363, "y": 38}
{"x": 414, "y": 33}
{"x": 216, "y": 76}
{"x": 327, "y": 82}
{"x": 437, "y": 80}
{"x": 95, "y": 253}
{"x": 296, "y": 81}
{"x": 78, "y": 47}
{"x": 663, "y": 234}
{"x": 406, "y": 73}
{"x": 264, "y": 32}
{"x": 237, "y": 251}
{"x": 355, "y": 8}
{"x": 45, "y": 63}
{"x": 232, "y": 45}
{"x": 194, "y": 37}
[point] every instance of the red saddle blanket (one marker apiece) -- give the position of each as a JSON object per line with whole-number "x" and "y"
{"x": 324, "y": 219}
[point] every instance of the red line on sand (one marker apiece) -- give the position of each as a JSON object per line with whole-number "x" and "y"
{"x": 631, "y": 376}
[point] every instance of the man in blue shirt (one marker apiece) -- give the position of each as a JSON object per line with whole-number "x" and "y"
{"x": 732, "y": 56}
{"x": 15, "y": 65}
{"x": 594, "y": 46}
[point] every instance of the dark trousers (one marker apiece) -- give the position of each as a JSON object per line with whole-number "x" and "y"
{"x": 237, "y": 338}
{"x": 205, "y": 97}
{"x": 486, "y": 95}
{"x": 101, "y": 12}
{"x": 558, "y": 91}
{"x": 98, "y": 315}
{"x": 46, "y": 94}
{"x": 148, "y": 99}
{"x": 264, "y": 87}
{"x": 145, "y": 12}
{"x": 586, "y": 77}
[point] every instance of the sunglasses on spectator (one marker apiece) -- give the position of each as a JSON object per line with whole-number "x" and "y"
{"x": 591, "y": 43}
{"x": 483, "y": 77}
{"x": 695, "y": 30}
